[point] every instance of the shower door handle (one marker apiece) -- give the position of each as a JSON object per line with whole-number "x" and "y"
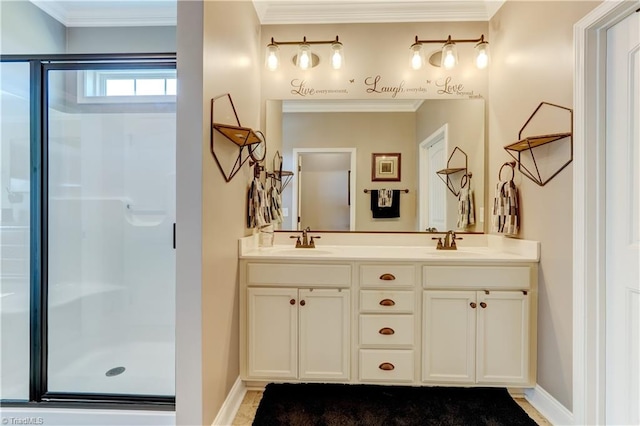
{"x": 174, "y": 235}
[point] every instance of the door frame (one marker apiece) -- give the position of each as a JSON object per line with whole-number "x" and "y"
{"x": 423, "y": 171}
{"x": 295, "y": 153}
{"x": 589, "y": 209}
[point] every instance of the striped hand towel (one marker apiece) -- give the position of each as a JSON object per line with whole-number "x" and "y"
{"x": 506, "y": 211}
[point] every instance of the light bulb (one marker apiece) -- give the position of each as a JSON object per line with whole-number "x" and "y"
{"x": 304, "y": 60}
{"x": 337, "y": 55}
{"x": 272, "y": 60}
{"x": 482, "y": 54}
{"x": 449, "y": 55}
{"x": 417, "y": 56}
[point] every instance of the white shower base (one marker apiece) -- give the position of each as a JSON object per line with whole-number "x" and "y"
{"x": 149, "y": 370}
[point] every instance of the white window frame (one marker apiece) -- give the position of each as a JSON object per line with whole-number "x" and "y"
{"x": 92, "y": 85}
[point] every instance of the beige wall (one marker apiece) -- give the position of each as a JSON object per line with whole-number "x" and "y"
{"x": 532, "y": 61}
{"x": 218, "y": 50}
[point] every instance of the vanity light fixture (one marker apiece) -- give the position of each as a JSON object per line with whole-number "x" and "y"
{"x": 305, "y": 58}
{"x": 447, "y": 57}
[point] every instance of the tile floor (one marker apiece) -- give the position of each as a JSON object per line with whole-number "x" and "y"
{"x": 247, "y": 410}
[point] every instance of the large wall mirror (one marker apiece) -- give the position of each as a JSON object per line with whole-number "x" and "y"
{"x": 332, "y": 147}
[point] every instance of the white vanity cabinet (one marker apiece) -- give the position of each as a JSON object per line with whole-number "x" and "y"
{"x": 406, "y": 317}
{"x": 484, "y": 337}
{"x": 295, "y": 332}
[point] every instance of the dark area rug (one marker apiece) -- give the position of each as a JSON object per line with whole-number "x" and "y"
{"x": 337, "y": 404}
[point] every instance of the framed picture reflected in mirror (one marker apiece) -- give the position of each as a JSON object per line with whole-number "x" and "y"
{"x": 385, "y": 167}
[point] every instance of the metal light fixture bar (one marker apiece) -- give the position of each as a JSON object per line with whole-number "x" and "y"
{"x": 304, "y": 40}
{"x": 449, "y": 55}
{"x": 305, "y": 58}
{"x": 450, "y": 40}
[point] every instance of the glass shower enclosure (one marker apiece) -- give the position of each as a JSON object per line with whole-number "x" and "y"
{"x": 101, "y": 286}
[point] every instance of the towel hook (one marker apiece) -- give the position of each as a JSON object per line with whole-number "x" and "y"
{"x": 511, "y": 164}
{"x": 465, "y": 179}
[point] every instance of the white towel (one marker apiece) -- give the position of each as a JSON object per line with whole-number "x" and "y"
{"x": 385, "y": 197}
{"x": 506, "y": 213}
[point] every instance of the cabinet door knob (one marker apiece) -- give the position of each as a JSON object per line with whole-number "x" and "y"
{"x": 483, "y": 305}
{"x": 302, "y": 303}
{"x": 473, "y": 305}
{"x": 387, "y": 331}
{"x": 386, "y": 366}
{"x": 292, "y": 301}
{"x": 387, "y": 302}
{"x": 387, "y": 277}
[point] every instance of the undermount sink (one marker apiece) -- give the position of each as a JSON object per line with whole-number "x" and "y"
{"x": 302, "y": 252}
{"x": 458, "y": 253}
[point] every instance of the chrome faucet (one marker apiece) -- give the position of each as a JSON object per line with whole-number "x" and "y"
{"x": 449, "y": 241}
{"x": 307, "y": 242}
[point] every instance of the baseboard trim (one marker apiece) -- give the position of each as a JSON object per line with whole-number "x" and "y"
{"x": 231, "y": 404}
{"x": 548, "y": 406}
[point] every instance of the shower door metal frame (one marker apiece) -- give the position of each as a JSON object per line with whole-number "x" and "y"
{"x": 40, "y": 65}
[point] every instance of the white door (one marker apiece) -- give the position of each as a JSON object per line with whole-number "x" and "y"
{"x": 324, "y": 334}
{"x": 273, "y": 332}
{"x": 432, "y": 197}
{"x": 324, "y": 191}
{"x": 503, "y": 337}
{"x": 449, "y": 336}
{"x": 437, "y": 157}
{"x": 623, "y": 223}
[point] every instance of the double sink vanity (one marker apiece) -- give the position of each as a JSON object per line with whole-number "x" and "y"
{"x": 389, "y": 309}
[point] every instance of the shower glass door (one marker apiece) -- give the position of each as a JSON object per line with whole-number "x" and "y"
{"x": 110, "y": 141}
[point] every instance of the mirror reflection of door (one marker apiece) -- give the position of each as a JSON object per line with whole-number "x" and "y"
{"x": 323, "y": 188}
{"x": 433, "y": 197}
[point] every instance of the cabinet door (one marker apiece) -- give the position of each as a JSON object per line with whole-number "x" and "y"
{"x": 503, "y": 337}
{"x": 449, "y": 330}
{"x": 272, "y": 332}
{"x": 324, "y": 334}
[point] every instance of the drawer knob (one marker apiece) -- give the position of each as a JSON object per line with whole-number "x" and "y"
{"x": 387, "y": 331}
{"x": 386, "y": 366}
{"x": 292, "y": 301}
{"x": 473, "y": 305}
{"x": 387, "y": 277}
{"x": 387, "y": 302}
{"x": 302, "y": 303}
{"x": 483, "y": 305}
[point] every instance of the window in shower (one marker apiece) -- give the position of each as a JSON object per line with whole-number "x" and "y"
{"x": 14, "y": 229}
{"x": 111, "y": 210}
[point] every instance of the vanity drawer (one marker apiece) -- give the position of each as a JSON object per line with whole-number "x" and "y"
{"x": 387, "y": 275}
{"x": 381, "y": 365}
{"x": 316, "y": 275}
{"x": 477, "y": 277}
{"x": 386, "y": 330}
{"x": 388, "y": 301}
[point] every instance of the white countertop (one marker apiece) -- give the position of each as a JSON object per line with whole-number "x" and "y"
{"x": 488, "y": 249}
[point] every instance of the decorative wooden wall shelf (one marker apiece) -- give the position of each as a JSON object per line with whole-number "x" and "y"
{"x": 528, "y": 143}
{"x": 280, "y": 178}
{"x": 251, "y": 143}
{"x": 445, "y": 174}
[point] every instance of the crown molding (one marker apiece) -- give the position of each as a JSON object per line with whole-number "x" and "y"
{"x": 352, "y": 105}
{"x": 373, "y": 11}
{"x": 111, "y": 13}
{"x": 101, "y": 13}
